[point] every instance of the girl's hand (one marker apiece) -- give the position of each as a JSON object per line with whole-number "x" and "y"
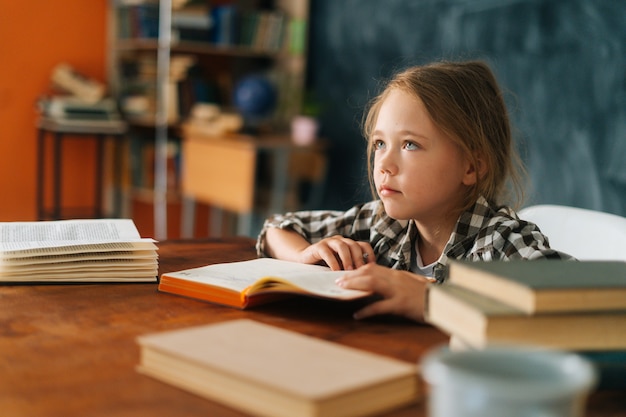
{"x": 339, "y": 253}
{"x": 403, "y": 292}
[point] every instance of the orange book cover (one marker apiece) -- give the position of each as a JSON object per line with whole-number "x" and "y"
{"x": 249, "y": 283}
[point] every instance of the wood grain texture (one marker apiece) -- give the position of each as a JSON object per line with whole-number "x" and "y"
{"x": 70, "y": 350}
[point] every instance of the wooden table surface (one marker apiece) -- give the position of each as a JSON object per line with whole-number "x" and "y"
{"x": 70, "y": 349}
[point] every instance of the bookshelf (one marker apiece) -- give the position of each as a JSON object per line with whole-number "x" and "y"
{"x": 167, "y": 55}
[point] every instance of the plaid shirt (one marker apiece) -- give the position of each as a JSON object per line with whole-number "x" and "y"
{"x": 482, "y": 233}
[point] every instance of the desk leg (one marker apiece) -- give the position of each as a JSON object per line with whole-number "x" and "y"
{"x": 58, "y": 163}
{"x": 188, "y": 219}
{"x": 41, "y": 143}
{"x": 118, "y": 148}
{"x": 244, "y": 224}
{"x": 97, "y": 209}
{"x": 279, "y": 186}
{"x": 217, "y": 218}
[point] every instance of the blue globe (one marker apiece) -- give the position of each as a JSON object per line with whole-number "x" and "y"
{"x": 255, "y": 96}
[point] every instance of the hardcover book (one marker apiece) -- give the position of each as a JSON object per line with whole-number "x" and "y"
{"x": 257, "y": 281}
{"x": 478, "y": 320}
{"x": 546, "y": 285}
{"x": 267, "y": 371}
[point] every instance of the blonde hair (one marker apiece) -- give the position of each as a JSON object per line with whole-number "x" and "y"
{"x": 463, "y": 99}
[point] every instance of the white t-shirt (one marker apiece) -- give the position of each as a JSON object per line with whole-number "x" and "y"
{"x": 418, "y": 267}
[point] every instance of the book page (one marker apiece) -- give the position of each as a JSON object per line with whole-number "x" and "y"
{"x": 94, "y": 264}
{"x": 138, "y": 275}
{"x": 15, "y": 236}
{"x": 80, "y": 256}
{"x": 317, "y": 283}
{"x": 238, "y": 276}
{"x": 72, "y": 250}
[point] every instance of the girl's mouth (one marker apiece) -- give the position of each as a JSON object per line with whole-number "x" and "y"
{"x": 385, "y": 191}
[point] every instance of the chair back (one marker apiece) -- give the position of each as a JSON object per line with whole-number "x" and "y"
{"x": 583, "y": 233}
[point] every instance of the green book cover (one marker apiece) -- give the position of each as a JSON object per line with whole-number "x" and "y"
{"x": 546, "y": 285}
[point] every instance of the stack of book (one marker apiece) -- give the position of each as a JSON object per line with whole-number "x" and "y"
{"x": 138, "y": 21}
{"x": 550, "y": 303}
{"x": 102, "y": 250}
{"x": 78, "y": 103}
{"x": 568, "y": 305}
{"x": 192, "y": 22}
{"x": 73, "y": 112}
{"x": 65, "y": 78}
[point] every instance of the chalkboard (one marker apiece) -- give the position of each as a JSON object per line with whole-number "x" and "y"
{"x": 562, "y": 63}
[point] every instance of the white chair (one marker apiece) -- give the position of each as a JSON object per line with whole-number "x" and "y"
{"x": 582, "y": 233}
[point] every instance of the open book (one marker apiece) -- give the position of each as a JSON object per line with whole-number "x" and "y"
{"x": 96, "y": 250}
{"x": 249, "y": 283}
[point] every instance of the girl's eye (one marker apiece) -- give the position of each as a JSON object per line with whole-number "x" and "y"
{"x": 411, "y": 146}
{"x": 378, "y": 144}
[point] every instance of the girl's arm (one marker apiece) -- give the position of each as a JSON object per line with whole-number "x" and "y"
{"x": 335, "y": 238}
{"x": 284, "y": 244}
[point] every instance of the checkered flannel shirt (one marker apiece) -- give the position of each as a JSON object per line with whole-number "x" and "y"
{"x": 480, "y": 233}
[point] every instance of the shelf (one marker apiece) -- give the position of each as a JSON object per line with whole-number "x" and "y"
{"x": 191, "y": 47}
{"x": 187, "y": 65}
{"x": 146, "y": 195}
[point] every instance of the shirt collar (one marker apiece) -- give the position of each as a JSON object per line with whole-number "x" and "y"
{"x": 468, "y": 225}
{"x": 394, "y": 238}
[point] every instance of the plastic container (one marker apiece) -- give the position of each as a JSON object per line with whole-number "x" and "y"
{"x": 507, "y": 382}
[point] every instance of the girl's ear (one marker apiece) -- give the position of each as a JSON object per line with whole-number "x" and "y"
{"x": 474, "y": 170}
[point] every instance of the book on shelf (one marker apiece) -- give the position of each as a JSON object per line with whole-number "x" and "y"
{"x": 269, "y": 31}
{"x": 138, "y": 21}
{"x": 68, "y": 112}
{"x": 142, "y": 162}
{"x": 91, "y": 250}
{"x": 224, "y": 30}
{"x": 546, "y": 285}
{"x": 74, "y": 107}
{"x": 257, "y": 281}
{"x": 67, "y": 79}
{"x": 193, "y": 16}
{"x": 112, "y": 126}
{"x": 267, "y": 371}
{"x": 476, "y": 320}
{"x": 249, "y": 20}
{"x": 139, "y": 98}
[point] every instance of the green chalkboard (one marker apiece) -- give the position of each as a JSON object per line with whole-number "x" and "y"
{"x": 562, "y": 62}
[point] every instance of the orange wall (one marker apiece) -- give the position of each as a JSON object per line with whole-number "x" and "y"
{"x": 34, "y": 37}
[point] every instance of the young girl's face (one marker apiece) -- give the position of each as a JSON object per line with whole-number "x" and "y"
{"x": 419, "y": 173}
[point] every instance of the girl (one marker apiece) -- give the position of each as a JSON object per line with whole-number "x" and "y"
{"x": 440, "y": 157}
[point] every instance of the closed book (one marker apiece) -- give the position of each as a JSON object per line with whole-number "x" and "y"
{"x": 546, "y": 285}
{"x": 257, "y": 281}
{"x": 267, "y": 371}
{"x": 479, "y": 320}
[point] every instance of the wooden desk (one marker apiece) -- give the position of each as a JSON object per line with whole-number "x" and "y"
{"x": 70, "y": 350}
{"x": 99, "y": 131}
{"x": 222, "y": 171}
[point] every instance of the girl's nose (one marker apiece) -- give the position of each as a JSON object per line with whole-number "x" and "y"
{"x": 386, "y": 163}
